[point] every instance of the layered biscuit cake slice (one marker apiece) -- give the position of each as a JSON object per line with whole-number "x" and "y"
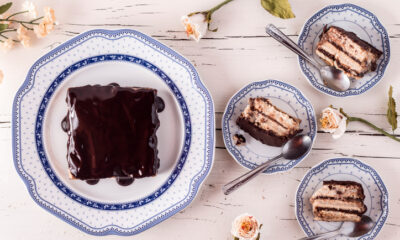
{"x": 347, "y": 52}
{"x": 338, "y": 201}
{"x": 267, "y": 123}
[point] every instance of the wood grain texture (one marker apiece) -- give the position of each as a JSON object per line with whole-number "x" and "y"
{"x": 239, "y": 53}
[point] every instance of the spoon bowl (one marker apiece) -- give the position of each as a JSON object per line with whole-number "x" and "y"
{"x": 334, "y": 78}
{"x": 295, "y": 148}
{"x": 348, "y": 229}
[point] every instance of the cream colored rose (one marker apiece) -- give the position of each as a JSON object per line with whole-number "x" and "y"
{"x": 195, "y": 26}
{"x": 47, "y": 23}
{"x": 245, "y": 227}
{"x": 31, "y": 8}
{"x": 23, "y": 36}
{"x": 332, "y": 121}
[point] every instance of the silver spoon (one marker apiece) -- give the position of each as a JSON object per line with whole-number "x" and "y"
{"x": 293, "y": 149}
{"x": 332, "y": 77}
{"x": 348, "y": 229}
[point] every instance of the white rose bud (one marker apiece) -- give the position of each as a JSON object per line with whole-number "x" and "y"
{"x": 195, "y": 26}
{"x": 332, "y": 121}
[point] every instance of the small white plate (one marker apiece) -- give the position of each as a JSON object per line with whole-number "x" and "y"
{"x": 342, "y": 169}
{"x": 284, "y": 96}
{"x": 128, "y": 58}
{"x": 354, "y": 19}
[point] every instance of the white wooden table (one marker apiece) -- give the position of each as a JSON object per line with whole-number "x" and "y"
{"x": 239, "y": 53}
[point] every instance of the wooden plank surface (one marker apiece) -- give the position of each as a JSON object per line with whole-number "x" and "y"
{"x": 239, "y": 53}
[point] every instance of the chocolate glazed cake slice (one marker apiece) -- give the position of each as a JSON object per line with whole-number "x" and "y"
{"x": 338, "y": 201}
{"x": 267, "y": 123}
{"x": 347, "y": 52}
{"x": 112, "y": 132}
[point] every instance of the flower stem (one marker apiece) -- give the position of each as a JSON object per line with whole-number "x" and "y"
{"x": 8, "y": 30}
{"x": 15, "y": 14}
{"x": 34, "y": 20}
{"x": 356, "y": 119}
{"x": 209, "y": 13}
{"x": 212, "y": 10}
{"x": 24, "y": 25}
{"x": 352, "y": 119}
{"x": 18, "y": 21}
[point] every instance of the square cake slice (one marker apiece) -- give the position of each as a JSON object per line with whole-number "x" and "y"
{"x": 267, "y": 123}
{"x": 347, "y": 52}
{"x": 338, "y": 201}
{"x": 112, "y": 132}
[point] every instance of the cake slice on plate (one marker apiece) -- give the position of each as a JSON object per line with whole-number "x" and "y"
{"x": 267, "y": 123}
{"x": 338, "y": 201}
{"x": 112, "y": 132}
{"x": 347, "y": 52}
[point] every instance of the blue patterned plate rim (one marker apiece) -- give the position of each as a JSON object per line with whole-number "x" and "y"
{"x": 338, "y": 161}
{"x": 239, "y": 158}
{"x": 380, "y": 69}
{"x": 196, "y": 181}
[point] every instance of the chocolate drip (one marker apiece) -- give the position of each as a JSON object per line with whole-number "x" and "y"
{"x": 125, "y": 181}
{"x": 65, "y": 124}
{"x": 92, "y": 181}
{"x": 160, "y": 104}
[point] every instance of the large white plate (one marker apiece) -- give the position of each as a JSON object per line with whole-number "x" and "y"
{"x": 185, "y": 136}
{"x": 354, "y": 19}
{"x": 342, "y": 169}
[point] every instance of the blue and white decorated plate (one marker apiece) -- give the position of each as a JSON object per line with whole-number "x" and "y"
{"x": 354, "y": 19}
{"x": 342, "y": 169}
{"x": 185, "y": 137}
{"x": 284, "y": 96}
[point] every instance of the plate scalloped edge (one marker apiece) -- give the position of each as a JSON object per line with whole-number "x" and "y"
{"x": 113, "y": 229}
{"x": 385, "y": 201}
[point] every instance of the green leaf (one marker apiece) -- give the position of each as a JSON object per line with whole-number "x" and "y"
{"x": 391, "y": 112}
{"x": 4, "y": 8}
{"x": 236, "y": 238}
{"x": 278, "y": 8}
{"x": 3, "y": 27}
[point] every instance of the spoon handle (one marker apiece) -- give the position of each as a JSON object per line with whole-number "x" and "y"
{"x": 323, "y": 235}
{"x": 235, "y": 184}
{"x": 286, "y": 41}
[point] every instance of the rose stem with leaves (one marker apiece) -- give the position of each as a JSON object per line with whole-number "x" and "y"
{"x": 356, "y": 119}
{"x": 4, "y": 27}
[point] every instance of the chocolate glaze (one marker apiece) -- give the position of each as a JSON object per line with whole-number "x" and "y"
{"x": 112, "y": 132}
{"x": 160, "y": 104}
{"x": 125, "y": 181}
{"x": 92, "y": 181}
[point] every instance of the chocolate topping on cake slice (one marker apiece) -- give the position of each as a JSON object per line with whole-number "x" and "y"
{"x": 267, "y": 123}
{"x": 338, "y": 201}
{"x": 347, "y": 52}
{"x": 112, "y": 132}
